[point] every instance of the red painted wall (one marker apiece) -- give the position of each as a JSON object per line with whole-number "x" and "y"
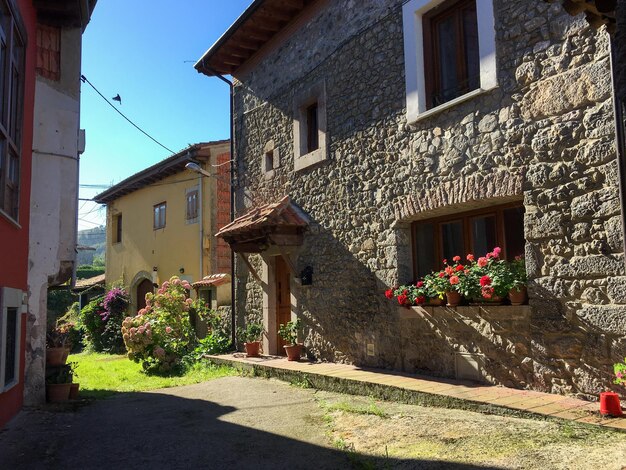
{"x": 14, "y": 238}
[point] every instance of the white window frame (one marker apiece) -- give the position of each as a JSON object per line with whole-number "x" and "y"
{"x": 412, "y": 15}
{"x": 10, "y": 298}
{"x": 303, "y": 159}
{"x": 192, "y": 220}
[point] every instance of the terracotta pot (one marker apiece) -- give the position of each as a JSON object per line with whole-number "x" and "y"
{"x": 252, "y": 348}
{"x": 58, "y": 392}
{"x": 293, "y": 351}
{"x": 436, "y": 302}
{"x": 518, "y": 297}
{"x": 56, "y": 356}
{"x": 454, "y": 298}
{"x": 74, "y": 391}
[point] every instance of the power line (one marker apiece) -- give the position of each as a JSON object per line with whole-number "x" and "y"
{"x": 84, "y": 80}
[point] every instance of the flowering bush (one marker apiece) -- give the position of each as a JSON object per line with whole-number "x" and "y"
{"x": 161, "y": 334}
{"x": 101, "y": 320}
{"x": 489, "y": 277}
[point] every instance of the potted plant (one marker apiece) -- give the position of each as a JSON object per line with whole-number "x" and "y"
{"x": 493, "y": 278}
{"x": 58, "y": 382}
{"x": 436, "y": 287}
{"x": 461, "y": 281}
{"x": 517, "y": 293}
{"x": 57, "y": 344}
{"x": 251, "y": 337}
{"x": 289, "y": 333}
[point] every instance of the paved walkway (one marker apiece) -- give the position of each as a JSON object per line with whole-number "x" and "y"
{"x": 455, "y": 393}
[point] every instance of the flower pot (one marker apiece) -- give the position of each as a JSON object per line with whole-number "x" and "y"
{"x": 56, "y": 356}
{"x": 436, "y": 302}
{"x": 58, "y": 392}
{"x": 74, "y": 391}
{"x": 610, "y": 405}
{"x": 494, "y": 300}
{"x": 252, "y": 348}
{"x": 454, "y": 298}
{"x": 293, "y": 351}
{"x": 518, "y": 297}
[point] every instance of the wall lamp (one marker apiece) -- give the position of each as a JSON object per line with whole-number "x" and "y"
{"x": 195, "y": 167}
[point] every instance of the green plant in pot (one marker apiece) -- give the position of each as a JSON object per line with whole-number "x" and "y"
{"x": 59, "y": 381}
{"x": 57, "y": 342}
{"x": 289, "y": 333}
{"x": 251, "y": 338}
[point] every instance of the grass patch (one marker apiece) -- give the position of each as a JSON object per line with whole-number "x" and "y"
{"x": 347, "y": 407}
{"x": 102, "y": 375}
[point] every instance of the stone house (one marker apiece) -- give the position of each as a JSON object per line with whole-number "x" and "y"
{"x": 404, "y": 132}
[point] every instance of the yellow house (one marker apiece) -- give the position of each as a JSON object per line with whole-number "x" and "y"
{"x": 161, "y": 222}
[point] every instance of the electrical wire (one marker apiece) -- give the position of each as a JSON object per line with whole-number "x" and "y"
{"x": 84, "y": 80}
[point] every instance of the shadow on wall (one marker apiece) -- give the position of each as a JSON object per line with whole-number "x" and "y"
{"x": 154, "y": 430}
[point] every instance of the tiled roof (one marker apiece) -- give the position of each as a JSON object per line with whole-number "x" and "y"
{"x": 282, "y": 213}
{"x": 92, "y": 281}
{"x": 212, "y": 280}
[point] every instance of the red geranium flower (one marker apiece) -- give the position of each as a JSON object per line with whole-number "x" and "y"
{"x": 420, "y": 284}
{"x": 402, "y": 299}
{"x": 442, "y": 274}
{"x": 420, "y": 300}
{"x": 389, "y": 293}
{"x": 460, "y": 267}
{"x": 485, "y": 281}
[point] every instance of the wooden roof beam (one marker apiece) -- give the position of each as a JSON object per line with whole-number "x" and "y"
{"x": 275, "y": 15}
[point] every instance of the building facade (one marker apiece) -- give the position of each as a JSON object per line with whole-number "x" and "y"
{"x": 397, "y": 127}
{"x": 161, "y": 222}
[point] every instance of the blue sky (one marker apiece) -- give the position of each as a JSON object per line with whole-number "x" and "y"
{"x": 144, "y": 50}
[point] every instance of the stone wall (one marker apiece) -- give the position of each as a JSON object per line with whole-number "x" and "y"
{"x": 544, "y": 136}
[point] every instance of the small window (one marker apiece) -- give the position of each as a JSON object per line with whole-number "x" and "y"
{"x": 452, "y": 62}
{"x": 312, "y": 129}
{"x": 192, "y": 205}
{"x": 476, "y": 232}
{"x": 159, "y": 215}
{"x": 269, "y": 160}
{"x": 117, "y": 227}
{"x": 10, "y": 362}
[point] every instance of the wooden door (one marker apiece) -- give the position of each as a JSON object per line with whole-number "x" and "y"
{"x": 143, "y": 288}
{"x": 283, "y": 298}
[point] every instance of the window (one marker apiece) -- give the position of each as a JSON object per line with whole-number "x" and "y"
{"x": 449, "y": 52}
{"x": 309, "y": 127}
{"x": 476, "y": 232}
{"x": 117, "y": 227}
{"x": 11, "y": 104}
{"x": 159, "y": 215}
{"x": 192, "y": 205}
{"x": 10, "y": 329}
{"x": 271, "y": 159}
{"x": 451, "y": 62}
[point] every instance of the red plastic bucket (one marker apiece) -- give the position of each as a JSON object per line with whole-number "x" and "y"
{"x": 609, "y": 404}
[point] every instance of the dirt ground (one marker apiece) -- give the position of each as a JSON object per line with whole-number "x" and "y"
{"x": 238, "y": 422}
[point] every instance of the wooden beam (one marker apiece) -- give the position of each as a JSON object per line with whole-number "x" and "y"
{"x": 245, "y": 259}
{"x": 289, "y": 263}
{"x": 274, "y": 15}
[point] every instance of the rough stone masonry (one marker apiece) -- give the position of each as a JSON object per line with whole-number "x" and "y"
{"x": 545, "y": 135}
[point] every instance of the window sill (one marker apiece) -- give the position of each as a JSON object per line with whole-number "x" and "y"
{"x": 10, "y": 219}
{"x": 450, "y": 104}
{"x": 491, "y": 312}
{"x": 191, "y": 221}
{"x": 309, "y": 159}
{"x": 9, "y": 386}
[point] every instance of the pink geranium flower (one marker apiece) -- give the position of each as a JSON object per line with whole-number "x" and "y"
{"x": 482, "y": 261}
{"x": 470, "y": 257}
{"x": 456, "y": 259}
{"x": 454, "y": 280}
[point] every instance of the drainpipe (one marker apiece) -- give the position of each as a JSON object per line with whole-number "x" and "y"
{"x": 201, "y": 223}
{"x": 618, "y": 111}
{"x": 232, "y": 199}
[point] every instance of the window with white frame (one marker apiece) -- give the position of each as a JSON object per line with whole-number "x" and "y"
{"x": 449, "y": 49}
{"x": 11, "y": 103}
{"x": 10, "y": 332}
{"x": 192, "y": 202}
{"x": 309, "y": 127}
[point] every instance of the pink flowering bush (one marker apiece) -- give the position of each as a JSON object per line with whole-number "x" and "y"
{"x": 101, "y": 320}
{"x": 160, "y": 335}
{"x": 620, "y": 372}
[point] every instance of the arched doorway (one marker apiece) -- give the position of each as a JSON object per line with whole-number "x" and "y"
{"x": 143, "y": 288}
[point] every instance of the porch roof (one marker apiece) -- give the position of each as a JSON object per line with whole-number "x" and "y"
{"x": 213, "y": 280}
{"x": 281, "y": 224}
